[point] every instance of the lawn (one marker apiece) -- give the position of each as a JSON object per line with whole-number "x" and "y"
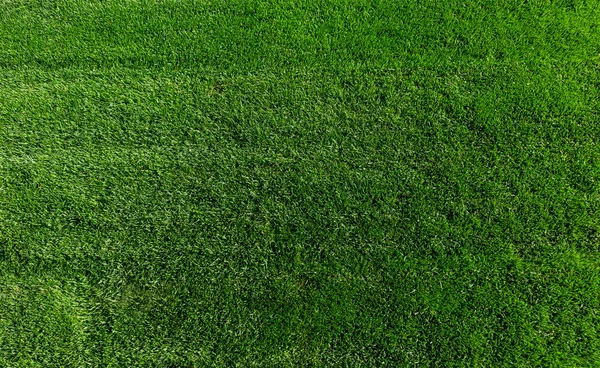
{"x": 360, "y": 183}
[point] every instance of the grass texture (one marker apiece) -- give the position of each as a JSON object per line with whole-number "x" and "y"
{"x": 346, "y": 183}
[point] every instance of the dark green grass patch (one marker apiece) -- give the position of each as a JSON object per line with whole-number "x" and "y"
{"x": 313, "y": 183}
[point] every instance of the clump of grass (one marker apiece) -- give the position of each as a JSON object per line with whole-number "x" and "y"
{"x": 322, "y": 183}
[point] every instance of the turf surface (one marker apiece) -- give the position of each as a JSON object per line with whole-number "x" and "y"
{"x": 299, "y": 183}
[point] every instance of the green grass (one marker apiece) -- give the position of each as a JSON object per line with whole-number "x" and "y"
{"x": 299, "y": 183}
